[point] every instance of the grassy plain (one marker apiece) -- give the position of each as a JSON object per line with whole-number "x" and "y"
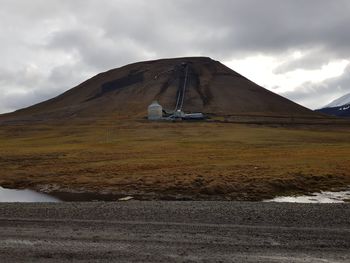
{"x": 199, "y": 160}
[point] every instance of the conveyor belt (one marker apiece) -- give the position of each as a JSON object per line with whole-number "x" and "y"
{"x": 181, "y": 94}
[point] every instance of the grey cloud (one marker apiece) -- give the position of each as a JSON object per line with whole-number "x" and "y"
{"x": 230, "y": 28}
{"x": 235, "y": 29}
{"x": 94, "y": 50}
{"x": 312, "y": 60}
{"x": 99, "y": 35}
{"x": 23, "y": 88}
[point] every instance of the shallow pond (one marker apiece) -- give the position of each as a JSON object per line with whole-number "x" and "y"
{"x": 11, "y": 195}
{"x": 322, "y": 197}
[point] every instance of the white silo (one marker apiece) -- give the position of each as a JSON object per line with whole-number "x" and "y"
{"x": 155, "y": 111}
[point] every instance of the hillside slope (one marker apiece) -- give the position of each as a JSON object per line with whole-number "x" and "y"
{"x": 212, "y": 88}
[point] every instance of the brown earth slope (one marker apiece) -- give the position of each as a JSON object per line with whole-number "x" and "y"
{"x": 212, "y": 88}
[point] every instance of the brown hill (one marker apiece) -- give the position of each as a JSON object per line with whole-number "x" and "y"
{"x": 211, "y": 88}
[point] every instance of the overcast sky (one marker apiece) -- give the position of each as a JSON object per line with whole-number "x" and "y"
{"x": 297, "y": 48}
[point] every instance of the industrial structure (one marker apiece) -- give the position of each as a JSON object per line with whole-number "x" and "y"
{"x": 155, "y": 110}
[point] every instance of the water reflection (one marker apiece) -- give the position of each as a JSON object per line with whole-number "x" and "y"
{"x": 10, "y": 195}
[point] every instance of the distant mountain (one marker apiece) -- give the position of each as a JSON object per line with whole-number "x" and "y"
{"x": 339, "y": 107}
{"x": 344, "y": 100}
{"x": 206, "y": 86}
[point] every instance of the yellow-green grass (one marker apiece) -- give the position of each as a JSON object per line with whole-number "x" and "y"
{"x": 198, "y": 159}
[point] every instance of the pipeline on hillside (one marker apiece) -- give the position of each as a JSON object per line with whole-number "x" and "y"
{"x": 178, "y": 113}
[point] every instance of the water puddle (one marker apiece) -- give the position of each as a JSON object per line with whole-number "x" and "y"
{"x": 85, "y": 196}
{"x": 14, "y": 195}
{"x": 11, "y": 195}
{"x": 322, "y": 197}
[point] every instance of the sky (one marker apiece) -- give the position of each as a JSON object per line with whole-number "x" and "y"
{"x": 299, "y": 49}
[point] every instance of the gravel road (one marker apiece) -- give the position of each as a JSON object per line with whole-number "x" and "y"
{"x": 174, "y": 232}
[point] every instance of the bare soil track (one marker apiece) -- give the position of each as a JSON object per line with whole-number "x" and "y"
{"x": 174, "y": 232}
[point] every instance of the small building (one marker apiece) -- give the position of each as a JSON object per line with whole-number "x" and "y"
{"x": 155, "y": 111}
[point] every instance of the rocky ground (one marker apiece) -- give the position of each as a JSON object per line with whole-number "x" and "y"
{"x": 174, "y": 232}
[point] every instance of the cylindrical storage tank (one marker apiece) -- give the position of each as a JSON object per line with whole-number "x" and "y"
{"x": 155, "y": 111}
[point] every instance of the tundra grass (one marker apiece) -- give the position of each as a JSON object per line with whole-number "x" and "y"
{"x": 199, "y": 160}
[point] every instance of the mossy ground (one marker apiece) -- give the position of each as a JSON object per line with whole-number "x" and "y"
{"x": 200, "y": 160}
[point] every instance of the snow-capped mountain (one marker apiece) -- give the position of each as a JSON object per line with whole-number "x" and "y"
{"x": 339, "y": 107}
{"x": 344, "y": 100}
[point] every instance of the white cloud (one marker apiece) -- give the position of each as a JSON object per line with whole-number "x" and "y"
{"x": 47, "y": 47}
{"x": 261, "y": 70}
